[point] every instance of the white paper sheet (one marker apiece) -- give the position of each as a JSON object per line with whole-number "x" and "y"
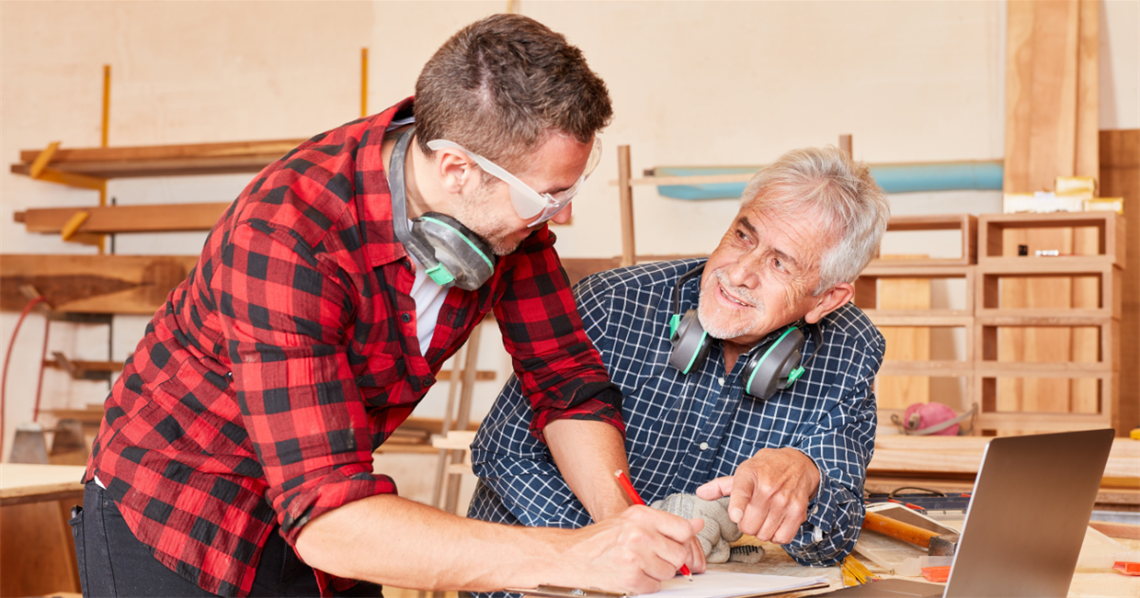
{"x": 725, "y": 584}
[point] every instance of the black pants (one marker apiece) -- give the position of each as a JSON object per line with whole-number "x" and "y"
{"x": 112, "y": 562}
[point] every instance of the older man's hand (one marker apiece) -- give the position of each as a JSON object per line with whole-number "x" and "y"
{"x": 769, "y": 493}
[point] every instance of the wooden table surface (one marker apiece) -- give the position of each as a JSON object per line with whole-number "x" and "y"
{"x": 22, "y": 483}
{"x": 1090, "y": 579}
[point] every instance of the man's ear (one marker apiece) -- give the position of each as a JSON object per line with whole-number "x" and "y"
{"x": 829, "y": 301}
{"x": 454, "y": 169}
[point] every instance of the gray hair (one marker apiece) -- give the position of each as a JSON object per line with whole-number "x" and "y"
{"x": 844, "y": 192}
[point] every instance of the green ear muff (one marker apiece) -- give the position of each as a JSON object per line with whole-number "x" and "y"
{"x": 773, "y": 370}
{"x": 449, "y": 251}
{"x": 462, "y": 256}
{"x": 690, "y": 343}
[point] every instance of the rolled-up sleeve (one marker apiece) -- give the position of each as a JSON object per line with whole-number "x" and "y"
{"x": 284, "y": 315}
{"x": 559, "y": 370}
{"x": 841, "y": 446}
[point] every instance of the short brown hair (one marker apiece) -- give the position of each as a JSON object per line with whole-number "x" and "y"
{"x": 499, "y": 85}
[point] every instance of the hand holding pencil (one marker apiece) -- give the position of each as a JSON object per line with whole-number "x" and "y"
{"x": 636, "y": 498}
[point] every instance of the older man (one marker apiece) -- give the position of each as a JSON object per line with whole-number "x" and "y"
{"x": 748, "y": 375}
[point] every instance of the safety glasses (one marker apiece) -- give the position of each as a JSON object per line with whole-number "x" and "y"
{"x": 528, "y": 202}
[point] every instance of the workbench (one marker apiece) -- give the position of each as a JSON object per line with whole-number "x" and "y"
{"x": 1087, "y": 582}
{"x": 37, "y": 553}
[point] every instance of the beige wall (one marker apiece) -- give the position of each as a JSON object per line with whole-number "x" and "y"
{"x": 692, "y": 82}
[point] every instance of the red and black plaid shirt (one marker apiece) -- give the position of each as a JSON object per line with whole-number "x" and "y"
{"x": 261, "y": 389}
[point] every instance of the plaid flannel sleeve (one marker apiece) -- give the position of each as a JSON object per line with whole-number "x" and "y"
{"x": 284, "y": 314}
{"x": 841, "y": 446}
{"x": 560, "y": 370}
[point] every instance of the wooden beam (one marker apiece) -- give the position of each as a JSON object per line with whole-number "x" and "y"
{"x": 126, "y": 219}
{"x": 626, "y": 197}
{"x": 164, "y": 160}
{"x": 108, "y": 284}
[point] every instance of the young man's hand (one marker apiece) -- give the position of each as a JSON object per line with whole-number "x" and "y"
{"x": 769, "y": 493}
{"x": 633, "y": 552}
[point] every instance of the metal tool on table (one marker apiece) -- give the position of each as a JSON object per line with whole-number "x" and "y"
{"x": 937, "y": 543}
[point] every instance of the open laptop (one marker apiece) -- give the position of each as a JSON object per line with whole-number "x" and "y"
{"x": 1026, "y": 522}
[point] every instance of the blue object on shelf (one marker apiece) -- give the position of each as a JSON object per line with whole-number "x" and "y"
{"x": 893, "y": 178}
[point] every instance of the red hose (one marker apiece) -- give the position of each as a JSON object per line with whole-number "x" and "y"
{"x": 8, "y": 359}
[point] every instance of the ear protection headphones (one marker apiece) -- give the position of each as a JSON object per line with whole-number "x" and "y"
{"x": 448, "y": 250}
{"x": 767, "y": 371}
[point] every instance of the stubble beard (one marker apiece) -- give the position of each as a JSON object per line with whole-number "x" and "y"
{"x": 708, "y": 310}
{"x": 475, "y": 214}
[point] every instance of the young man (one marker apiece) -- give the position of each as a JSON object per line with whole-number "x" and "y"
{"x": 708, "y": 356}
{"x": 235, "y": 456}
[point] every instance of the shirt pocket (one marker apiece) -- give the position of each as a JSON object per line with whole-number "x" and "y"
{"x": 380, "y": 380}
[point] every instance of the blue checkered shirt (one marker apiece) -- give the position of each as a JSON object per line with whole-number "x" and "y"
{"x": 684, "y": 430}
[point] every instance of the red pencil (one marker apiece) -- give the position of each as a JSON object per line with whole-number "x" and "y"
{"x": 632, "y": 493}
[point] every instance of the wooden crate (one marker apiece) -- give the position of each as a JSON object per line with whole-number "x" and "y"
{"x": 867, "y": 290}
{"x": 1109, "y": 226}
{"x": 991, "y": 272}
{"x": 993, "y": 418}
{"x": 967, "y": 224}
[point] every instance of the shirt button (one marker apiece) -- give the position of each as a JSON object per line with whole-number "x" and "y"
{"x": 720, "y": 381}
{"x": 405, "y": 318}
{"x": 428, "y": 381}
{"x": 704, "y": 446}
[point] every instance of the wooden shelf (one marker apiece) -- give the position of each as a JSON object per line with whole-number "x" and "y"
{"x": 125, "y": 219}
{"x": 1023, "y": 369}
{"x": 93, "y": 284}
{"x": 988, "y": 288}
{"x": 1110, "y": 226}
{"x": 966, "y": 223}
{"x": 1107, "y": 414}
{"x": 163, "y": 160}
{"x": 987, "y": 337}
{"x": 867, "y": 289}
{"x": 931, "y": 369}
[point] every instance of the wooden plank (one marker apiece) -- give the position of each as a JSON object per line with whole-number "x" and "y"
{"x": 925, "y": 369}
{"x": 1087, "y": 160}
{"x": 1041, "y": 93}
{"x": 165, "y": 160}
{"x": 1128, "y": 531}
{"x": 113, "y": 284}
{"x": 22, "y": 483}
{"x": 1084, "y": 342}
{"x": 625, "y": 191}
{"x": 1120, "y": 177}
{"x": 126, "y": 219}
{"x": 885, "y": 483}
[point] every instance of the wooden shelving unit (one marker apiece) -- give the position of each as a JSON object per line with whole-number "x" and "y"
{"x": 1093, "y": 374}
{"x": 910, "y": 379}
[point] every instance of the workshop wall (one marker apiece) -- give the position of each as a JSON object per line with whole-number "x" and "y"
{"x": 693, "y": 83}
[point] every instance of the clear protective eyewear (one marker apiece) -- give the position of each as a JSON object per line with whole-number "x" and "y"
{"x": 528, "y": 202}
